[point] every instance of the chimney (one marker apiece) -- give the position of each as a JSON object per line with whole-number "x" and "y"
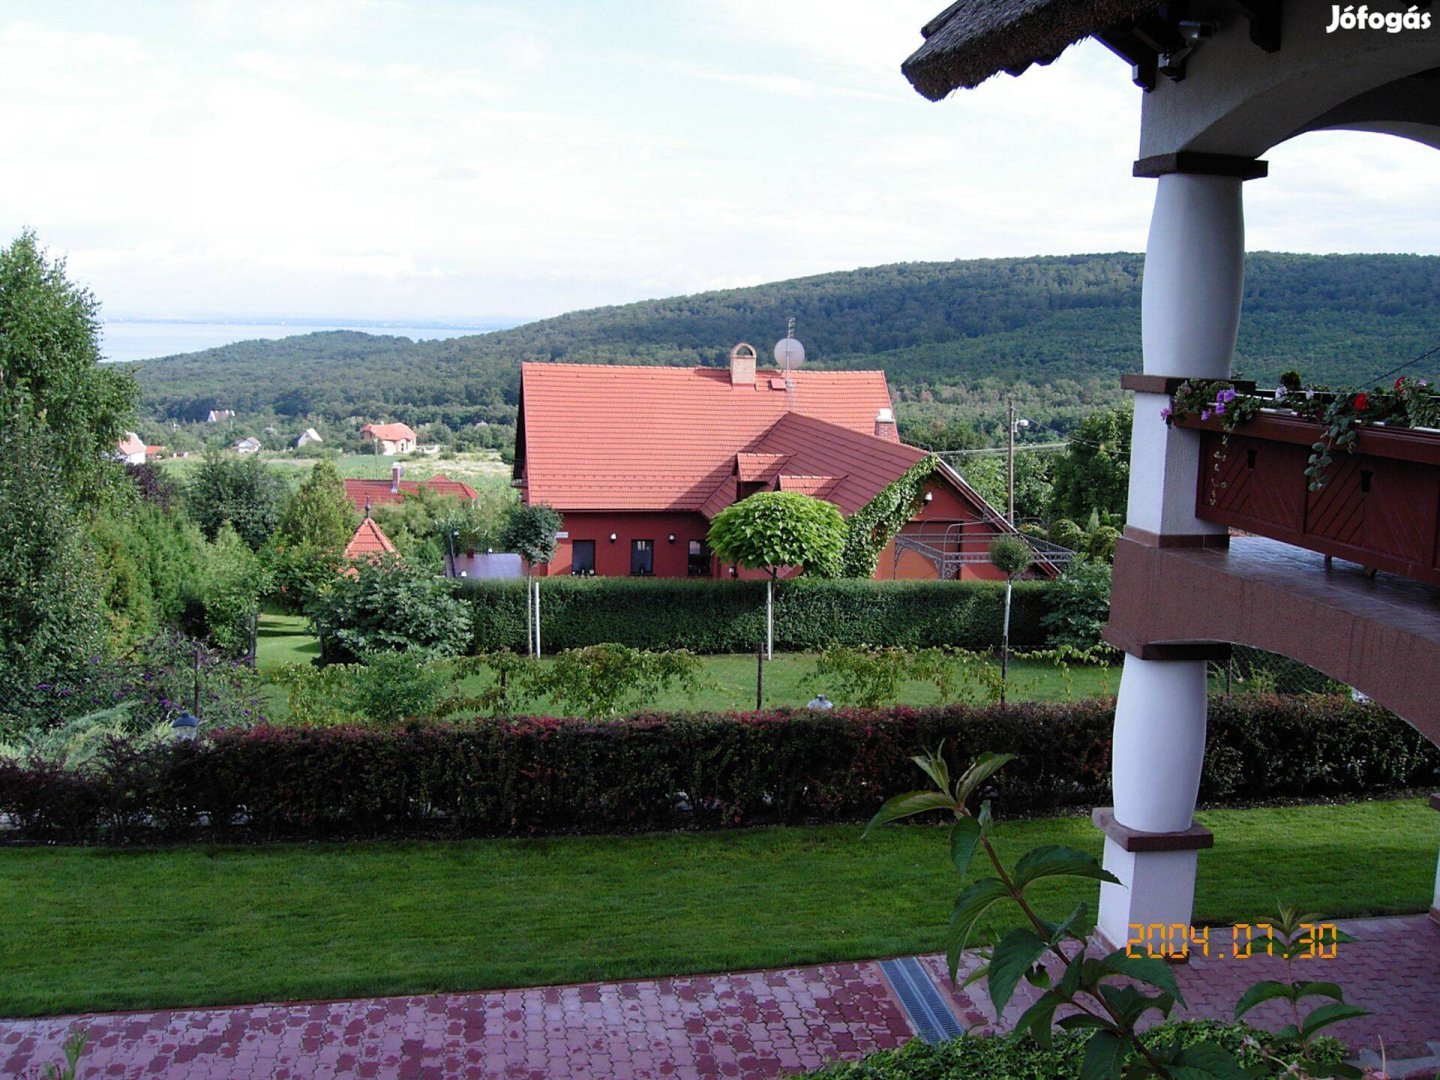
{"x": 742, "y": 365}
{"x": 885, "y": 426}
{"x": 395, "y": 471}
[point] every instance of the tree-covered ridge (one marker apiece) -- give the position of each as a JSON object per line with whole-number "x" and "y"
{"x": 954, "y": 338}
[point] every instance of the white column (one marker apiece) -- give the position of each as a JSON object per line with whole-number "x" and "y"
{"x": 1190, "y": 307}
{"x": 1158, "y": 749}
{"x": 1194, "y": 274}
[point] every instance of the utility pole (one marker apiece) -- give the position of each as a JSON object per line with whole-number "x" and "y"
{"x": 1010, "y": 425}
{"x": 1010, "y": 465}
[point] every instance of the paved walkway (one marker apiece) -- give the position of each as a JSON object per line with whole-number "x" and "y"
{"x": 754, "y": 1025}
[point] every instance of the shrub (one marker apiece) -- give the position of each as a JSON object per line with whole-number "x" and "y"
{"x": 600, "y": 680}
{"x": 872, "y": 677}
{"x": 1079, "y": 604}
{"x": 997, "y": 1057}
{"x": 729, "y": 616}
{"x": 657, "y": 771}
{"x": 389, "y": 605}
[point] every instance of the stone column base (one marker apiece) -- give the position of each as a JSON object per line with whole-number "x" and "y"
{"x": 1158, "y": 875}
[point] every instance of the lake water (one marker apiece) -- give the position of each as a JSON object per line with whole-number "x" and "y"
{"x": 143, "y": 339}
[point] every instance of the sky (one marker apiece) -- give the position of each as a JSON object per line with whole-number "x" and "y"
{"x": 488, "y": 159}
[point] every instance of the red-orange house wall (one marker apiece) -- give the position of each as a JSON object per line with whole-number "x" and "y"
{"x": 672, "y": 558}
{"x": 946, "y": 506}
{"x": 613, "y": 559}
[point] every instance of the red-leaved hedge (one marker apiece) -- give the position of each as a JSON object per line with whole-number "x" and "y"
{"x": 660, "y": 771}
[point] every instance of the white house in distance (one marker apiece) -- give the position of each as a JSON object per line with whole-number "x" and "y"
{"x": 308, "y": 436}
{"x": 215, "y": 416}
{"x": 131, "y": 449}
{"x": 391, "y": 438}
{"x": 248, "y": 446}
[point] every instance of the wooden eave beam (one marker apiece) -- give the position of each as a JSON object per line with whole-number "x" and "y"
{"x": 1264, "y": 16}
{"x": 1123, "y": 42}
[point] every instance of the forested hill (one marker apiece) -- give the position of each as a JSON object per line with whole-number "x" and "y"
{"x": 954, "y": 335}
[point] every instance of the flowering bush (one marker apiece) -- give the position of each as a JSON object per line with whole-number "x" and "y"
{"x": 1406, "y": 403}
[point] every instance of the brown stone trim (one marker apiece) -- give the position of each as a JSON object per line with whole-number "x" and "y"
{"x": 1192, "y": 839}
{"x": 1168, "y": 384}
{"x": 1201, "y": 164}
{"x": 1219, "y": 652}
{"x": 1177, "y": 540}
{"x": 1435, "y": 802}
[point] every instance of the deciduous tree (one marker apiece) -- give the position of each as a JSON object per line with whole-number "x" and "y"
{"x": 50, "y": 368}
{"x": 774, "y": 529}
{"x": 530, "y": 533}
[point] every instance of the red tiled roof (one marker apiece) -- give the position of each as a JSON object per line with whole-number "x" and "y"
{"x": 368, "y": 542}
{"x": 818, "y": 487}
{"x": 602, "y": 437}
{"x": 362, "y": 493}
{"x": 131, "y": 444}
{"x": 388, "y": 432}
{"x": 861, "y": 464}
{"x": 750, "y": 467}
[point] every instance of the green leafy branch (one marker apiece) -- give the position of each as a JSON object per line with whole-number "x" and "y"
{"x": 1109, "y": 996}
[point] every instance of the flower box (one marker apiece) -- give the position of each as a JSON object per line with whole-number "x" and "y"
{"x": 1380, "y": 506}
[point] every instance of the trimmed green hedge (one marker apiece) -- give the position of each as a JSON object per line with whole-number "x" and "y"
{"x": 729, "y": 616}
{"x": 668, "y": 770}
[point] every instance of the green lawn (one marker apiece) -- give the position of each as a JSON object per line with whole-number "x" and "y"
{"x": 284, "y": 639}
{"x": 108, "y": 928}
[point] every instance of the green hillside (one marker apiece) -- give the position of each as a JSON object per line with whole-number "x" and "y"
{"x": 956, "y": 339}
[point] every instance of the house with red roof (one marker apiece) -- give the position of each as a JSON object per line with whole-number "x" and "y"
{"x": 365, "y": 495}
{"x": 392, "y": 438}
{"x": 131, "y": 449}
{"x": 638, "y": 460}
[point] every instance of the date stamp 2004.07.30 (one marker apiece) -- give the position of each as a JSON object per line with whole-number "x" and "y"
{"x": 1179, "y": 941}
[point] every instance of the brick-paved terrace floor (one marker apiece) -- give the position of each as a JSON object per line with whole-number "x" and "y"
{"x": 751, "y": 1025}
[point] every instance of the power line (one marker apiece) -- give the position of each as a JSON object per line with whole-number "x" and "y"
{"x": 1408, "y": 363}
{"x": 1000, "y": 449}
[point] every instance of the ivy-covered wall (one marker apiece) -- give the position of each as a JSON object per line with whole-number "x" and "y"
{"x": 872, "y": 527}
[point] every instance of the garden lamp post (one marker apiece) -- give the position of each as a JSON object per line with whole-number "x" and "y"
{"x": 185, "y": 726}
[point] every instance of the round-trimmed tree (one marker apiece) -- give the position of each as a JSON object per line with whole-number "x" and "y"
{"x": 774, "y": 529}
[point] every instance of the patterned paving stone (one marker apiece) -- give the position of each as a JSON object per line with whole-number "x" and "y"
{"x": 752, "y": 1025}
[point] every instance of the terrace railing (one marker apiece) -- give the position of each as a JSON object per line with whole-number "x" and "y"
{"x": 1379, "y": 506}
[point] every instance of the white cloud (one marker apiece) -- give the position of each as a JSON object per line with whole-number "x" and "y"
{"x": 385, "y": 159}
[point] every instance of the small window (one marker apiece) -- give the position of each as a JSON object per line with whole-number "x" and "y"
{"x": 642, "y": 558}
{"x": 699, "y": 559}
{"x": 582, "y": 558}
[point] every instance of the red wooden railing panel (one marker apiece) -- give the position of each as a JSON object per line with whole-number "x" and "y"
{"x": 1380, "y": 506}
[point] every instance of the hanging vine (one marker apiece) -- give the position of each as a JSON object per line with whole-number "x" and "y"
{"x": 875, "y": 524}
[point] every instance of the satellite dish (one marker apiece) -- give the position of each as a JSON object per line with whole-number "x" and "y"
{"x": 789, "y": 353}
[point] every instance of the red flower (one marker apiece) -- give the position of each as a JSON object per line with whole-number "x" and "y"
{"x": 1400, "y": 383}
{"x": 1362, "y": 402}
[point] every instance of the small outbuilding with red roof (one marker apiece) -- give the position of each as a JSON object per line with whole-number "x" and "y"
{"x": 638, "y": 460}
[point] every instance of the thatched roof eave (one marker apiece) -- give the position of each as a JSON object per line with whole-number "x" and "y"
{"x": 972, "y": 40}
